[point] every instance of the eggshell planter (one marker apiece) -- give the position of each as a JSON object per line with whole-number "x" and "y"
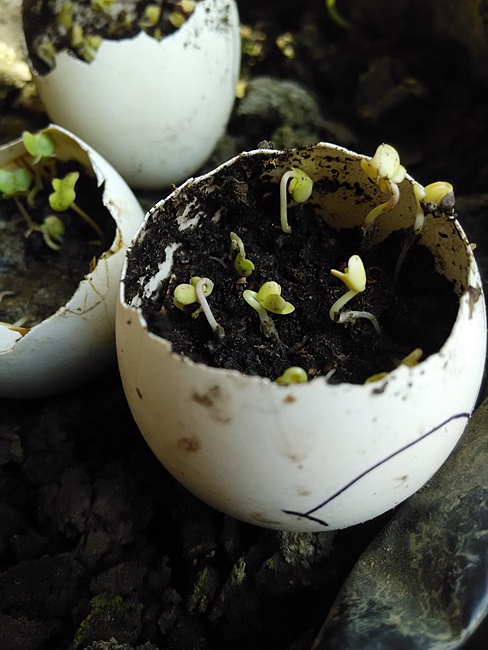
{"x": 313, "y": 456}
{"x": 77, "y": 342}
{"x": 153, "y": 109}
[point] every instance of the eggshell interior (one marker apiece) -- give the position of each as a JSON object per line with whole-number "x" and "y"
{"x": 314, "y": 456}
{"x": 77, "y": 342}
{"x": 153, "y": 109}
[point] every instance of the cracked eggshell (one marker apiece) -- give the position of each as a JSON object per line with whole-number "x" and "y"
{"x": 153, "y": 109}
{"x": 77, "y": 342}
{"x": 313, "y": 456}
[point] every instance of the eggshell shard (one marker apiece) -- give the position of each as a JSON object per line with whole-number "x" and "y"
{"x": 153, "y": 109}
{"x": 314, "y": 456}
{"x": 77, "y": 342}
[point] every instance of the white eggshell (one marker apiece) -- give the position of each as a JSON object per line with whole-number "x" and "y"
{"x": 77, "y": 342}
{"x": 313, "y": 456}
{"x": 153, "y": 109}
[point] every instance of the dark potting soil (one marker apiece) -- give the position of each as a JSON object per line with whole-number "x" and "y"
{"x": 106, "y": 19}
{"x": 417, "y": 311}
{"x": 41, "y": 279}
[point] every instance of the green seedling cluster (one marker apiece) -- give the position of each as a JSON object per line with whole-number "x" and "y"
{"x": 26, "y": 176}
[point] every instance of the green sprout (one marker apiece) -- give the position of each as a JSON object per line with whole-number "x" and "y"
{"x": 152, "y": 15}
{"x": 123, "y": 22}
{"x": 242, "y": 265}
{"x": 52, "y": 229}
{"x": 268, "y": 298}
{"x": 102, "y": 5}
{"x": 46, "y": 52}
{"x": 385, "y": 170}
{"x": 300, "y": 188}
{"x": 292, "y": 375}
{"x": 354, "y": 277}
{"x": 40, "y": 145}
{"x": 77, "y": 37}
{"x": 64, "y": 196}
{"x": 64, "y": 17}
{"x": 181, "y": 12}
{"x": 197, "y": 292}
{"x": 89, "y": 47}
{"x": 14, "y": 182}
{"x": 332, "y": 11}
{"x": 410, "y": 360}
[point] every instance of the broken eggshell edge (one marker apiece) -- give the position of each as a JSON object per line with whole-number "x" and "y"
{"x": 154, "y": 109}
{"x": 313, "y": 456}
{"x": 77, "y": 342}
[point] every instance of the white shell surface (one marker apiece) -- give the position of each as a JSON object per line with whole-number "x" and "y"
{"x": 77, "y": 342}
{"x": 312, "y": 456}
{"x": 153, "y": 109}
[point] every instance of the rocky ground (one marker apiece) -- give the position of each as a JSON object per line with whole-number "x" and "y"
{"x": 99, "y": 547}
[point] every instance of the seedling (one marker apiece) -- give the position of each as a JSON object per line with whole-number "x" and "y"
{"x": 181, "y": 12}
{"x": 354, "y": 277}
{"x": 196, "y": 293}
{"x": 46, "y": 52}
{"x": 89, "y": 47}
{"x": 385, "y": 170}
{"x": 64, "y": 17}
{"x": 40, "y": 164}
{"x": 437, "y": 199}
{"x": 292, "y": 375}
{"x": 410, "y": 360}
{"x": 14, "y": 182}
{"x": 268, "y": 298}
{"x": 300, "y": 187}
{"x": 52, "y": 228}
{"x": 40, "y": 146}
{"x": 242, "y": 265}
{"x": 152, "y": 14}
{"x": 332, "y": 11}
{"x": 102, "y": 5}
{"x": 64, "y": 196}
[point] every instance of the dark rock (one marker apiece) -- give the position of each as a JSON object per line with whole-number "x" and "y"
{"x": 171, "y": 603}
{"x": 122, "y": 579}
{"x": 47, "y": 587}
{"x": 188, "y": 632}
{"x": 110, "y": 617}
{"x": 420, "y": 584}
{"x": 21, "y": 633}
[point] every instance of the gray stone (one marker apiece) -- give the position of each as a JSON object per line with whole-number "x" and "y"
{"x": 421, "y": 584}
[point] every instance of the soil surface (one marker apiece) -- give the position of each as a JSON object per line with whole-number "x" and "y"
{"x": 41, "y": 279}
{"x": 106, "y": 18}
{"x": 417, "y": 311}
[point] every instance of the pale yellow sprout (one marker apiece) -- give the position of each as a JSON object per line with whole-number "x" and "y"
{"x": 410, "y": 360}
{"x": 354, "y": 277}
{"x": 435, "y": 197}
{"x": 292, "y": 375}
{"x": 197, "y": 292}
{"x": 300, "y": 188}
{"x": 385, "y": 170}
